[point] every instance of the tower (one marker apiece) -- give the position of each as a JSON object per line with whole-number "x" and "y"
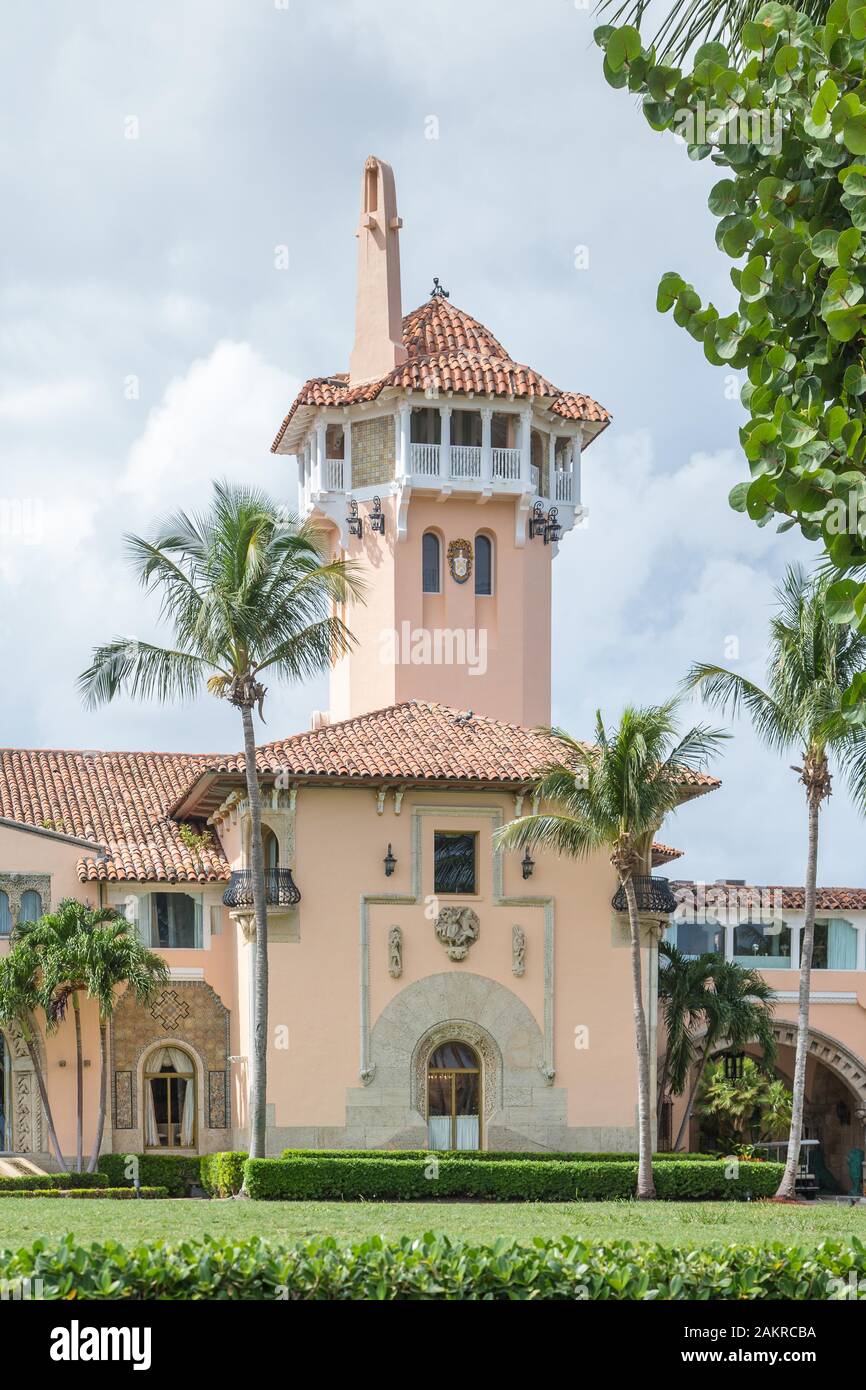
{"x": 449, "y": 472}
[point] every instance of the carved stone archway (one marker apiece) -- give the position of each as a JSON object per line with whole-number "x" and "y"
{"x": 459, "y": 1030}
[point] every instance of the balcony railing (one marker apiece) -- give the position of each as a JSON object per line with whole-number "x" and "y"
{"x": 506, "y": 464}
{"x": 425, "y": 459}
{"x": 653, "y": 895}
{"x": 280, "y": 889}
{"x": 334, "y": 471}
{"x": 535, "y": 477}
{"x": 465, "y": 461}
{"x": 563, "y": 487}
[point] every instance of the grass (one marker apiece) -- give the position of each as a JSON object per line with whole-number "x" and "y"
{"x": 672, "y": 1223}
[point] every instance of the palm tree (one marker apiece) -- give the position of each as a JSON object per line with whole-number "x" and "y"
{"x": 738, "y": 1008}
{"x": 689, "y": 22}
{"x": 754, "y": 1099}
{"x": 812, "y": 661}
{"x": 246, "y": 590}
{"x": 614, "y": 796}
{"x": 112, "y": 959}
{"x": 20, "y": 997}
{"x": 682, "y": 986}
{"x": 55, "y": 942}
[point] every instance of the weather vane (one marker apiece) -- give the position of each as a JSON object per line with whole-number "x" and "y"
{"x": 437, "y": 291}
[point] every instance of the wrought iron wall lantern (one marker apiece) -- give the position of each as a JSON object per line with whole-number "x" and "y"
{"x": 733, "y": 1065}
{"x": 390, "y": 863}
{"x": 377, "y": 519}
{"x": 527, "y": 864}
{"x": 354, "y": 522}
{"x": 537, "y": 521}
{"x": 552, "y": 529}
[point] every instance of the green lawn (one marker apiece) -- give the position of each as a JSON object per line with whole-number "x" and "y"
{"x": 23, "y": 1220}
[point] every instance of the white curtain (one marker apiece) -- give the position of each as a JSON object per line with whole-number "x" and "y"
{"x": 439, "y": 1131}
{"x": 151, "y": 1133}
{"x": 187, "y": 1119}
{"x": 467, "y": 1131}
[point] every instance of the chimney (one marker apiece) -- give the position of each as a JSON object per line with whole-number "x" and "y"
{"x": 378, "y": 345}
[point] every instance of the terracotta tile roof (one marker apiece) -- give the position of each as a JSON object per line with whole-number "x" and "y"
{"x": 664, "y": 854}
{"x": 127, "y": 802}
{"x": 419, "y": 741}
{"x": 792, "y": 899}
{"x": 119, "y": 800}
{"x": 449, "y": 351}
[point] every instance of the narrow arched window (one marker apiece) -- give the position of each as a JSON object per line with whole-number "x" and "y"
{"x": 5, "y": 915}
{"x": 431, "y": 563}
{"x": 483, "y": 565}
{"x": 31, "y": 906}
{"x": 454, "y": 1097}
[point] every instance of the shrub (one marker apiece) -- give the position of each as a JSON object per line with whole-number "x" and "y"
{"x": 435, "y": 1269}
{"x": 116, "y": 1193}
{"x": 384, "y": 1179}
{"x": 28, "y": 1181}
{"x": 222, "y": 1175}
{"x": 493, "y": 1156}
{"x": 177, "y": 1173}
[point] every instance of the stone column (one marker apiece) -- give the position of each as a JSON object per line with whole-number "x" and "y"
{"x": 445, "y": 443}
{"x": 526, "y": 449}
{"x": 486, "y": 451}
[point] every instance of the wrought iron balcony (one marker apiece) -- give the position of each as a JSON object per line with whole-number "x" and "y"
{"x": 280, "y": 889}
{"x": 653, "y": 895}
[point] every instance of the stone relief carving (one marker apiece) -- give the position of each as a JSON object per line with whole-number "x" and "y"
{"x": 16, "y": 885}
{"x": 458, "y": 1030}
{"x": 518, "y": 951}
{"x": 395, "y": 952}
{"x": 457, "y": 928}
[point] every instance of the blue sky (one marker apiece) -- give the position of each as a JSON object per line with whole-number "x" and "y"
{"x": 153, "y": 157}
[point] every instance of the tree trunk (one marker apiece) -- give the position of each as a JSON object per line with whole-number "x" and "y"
{"x": 259, "y": 1059}
{"x": 103, "y": 1092}
{"x": 807, "y": 941}
{"x": 645, "y": 1186}
{"x": 43, "y": 1093}
{"x": 684, "y": 1122}
{"x": 79, "y": 1078}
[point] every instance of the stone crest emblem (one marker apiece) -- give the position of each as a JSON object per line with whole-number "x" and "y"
{"x": 457, "y": 928}
{"x": 460, "y": 560}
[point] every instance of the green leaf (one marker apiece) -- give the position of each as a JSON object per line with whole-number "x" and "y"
{"x": 723, "y": 198}
{"x": 854, "y": 134}
{"x": 623, "y": 45}
{"x": 840, "y": 601}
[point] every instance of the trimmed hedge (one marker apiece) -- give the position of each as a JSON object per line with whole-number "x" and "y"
{"x": 379, "y": 1179}
{"x": 492, "y": 1156}
{"x": 177, "y": 1173}
{"x": 222, "y": 1175}
{"x": 114, "y": 1193}
{"x": 435, "y": 1268}
{"x": 28, "y": 1181}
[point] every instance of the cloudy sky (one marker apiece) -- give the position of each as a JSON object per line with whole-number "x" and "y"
{"x": 155, "y": 157}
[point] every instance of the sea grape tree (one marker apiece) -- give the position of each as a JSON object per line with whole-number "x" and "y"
{"x": 787, "y": 123}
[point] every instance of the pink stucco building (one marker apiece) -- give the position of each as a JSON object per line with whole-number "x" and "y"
{"x": 424, "y": 988}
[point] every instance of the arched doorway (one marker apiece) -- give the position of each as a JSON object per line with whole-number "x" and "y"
{"x": 169, "y": 1100}
{"x": 454, "y": 1097}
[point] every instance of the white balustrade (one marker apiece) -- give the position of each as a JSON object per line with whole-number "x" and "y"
{"x": 564, "y": 487}
{"x": 465, "y": 461}
{"x": 425, "y": 460}
{"x": 334, "y": 472}
{"x": 506, "y": 464}
{"x": 535, "y": 477}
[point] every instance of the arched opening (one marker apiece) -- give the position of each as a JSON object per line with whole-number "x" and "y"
{"x": 271, "y": 847}
{"x": 431, "y": 563}
{"x": 483, "y": 565}
{"x": 31, "y": 906}
{"x": 5, "y": 915}
{"x": 454, "y": 1097}
{"x": 169, "y": 1100}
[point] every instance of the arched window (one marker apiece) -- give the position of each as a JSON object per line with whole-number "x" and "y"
{"x": 31, "y": 906}
{"x": 271, "y": 847}
{"x": 5, "y": 915}
{"x": 483, "y": 565}
{"x": 454, "y": 1097}
{"x": 169, "y": 1100}
{"x": 431, "y": 563}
